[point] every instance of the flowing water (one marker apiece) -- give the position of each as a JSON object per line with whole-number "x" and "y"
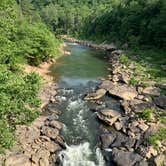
{"x": 76, "y": 75}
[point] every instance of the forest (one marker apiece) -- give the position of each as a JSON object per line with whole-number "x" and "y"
{"x": 29, "y": 34}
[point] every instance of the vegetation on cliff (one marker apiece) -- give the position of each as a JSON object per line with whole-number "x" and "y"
{"x": 24, "y": 39}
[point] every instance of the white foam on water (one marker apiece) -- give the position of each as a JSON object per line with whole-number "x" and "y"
{"x": 80, "y": 155}
{"x": 61, "y": 98}
{"x": 75, "y": 105}
{"x": 80, "y": 123}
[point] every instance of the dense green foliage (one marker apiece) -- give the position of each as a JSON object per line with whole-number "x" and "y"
{"x": 132, "y": 21}
{"x": 137, "y": 22}
{"x": 23, "y": 38}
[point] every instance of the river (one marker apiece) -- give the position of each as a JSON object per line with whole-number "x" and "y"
{"x": 77, "y": 74}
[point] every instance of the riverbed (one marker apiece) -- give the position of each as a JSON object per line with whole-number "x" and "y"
{"x": 77, "y": 74}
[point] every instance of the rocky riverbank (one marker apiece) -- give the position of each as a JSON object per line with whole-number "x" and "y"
{"x": 135, "y": 136}
{"x": 39, "y": 143}
{"x": 107, "y": 47}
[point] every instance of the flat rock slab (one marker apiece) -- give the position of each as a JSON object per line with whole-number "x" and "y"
{"x": 136, "y": 105}
{"x": 152, "y": 91}
{"x": 109, "y": 112}
{"x": 109, "y": 116}
{"x": 18, "y": 160}
{"x": 107, "y": 85}
{"x": 96, "y": 95}
{"x": 124, "y": 92}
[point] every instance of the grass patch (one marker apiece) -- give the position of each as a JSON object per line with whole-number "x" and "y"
{"x": 149, "y": 63}
{"x": 124, "y": 59}
{"x": 146, "y": 114}
{"x": 133, "y": 81}
{"x": 159, "y": 136}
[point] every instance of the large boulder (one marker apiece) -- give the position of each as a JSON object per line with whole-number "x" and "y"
{"x": 109, "y": 116}
{"x": 124, "y": 92}
{"x": 136, "y": 105}
{"x": 96, "y": 95}
{"x": 107, "y": 140}
{"x": 107, "y": 85}
{"x": 160, "y": 101}
{"x": 122, "y": 158}
{"x": 123, "y": 140}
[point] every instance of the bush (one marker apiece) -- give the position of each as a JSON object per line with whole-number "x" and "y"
{"x": 146, "y": 114}
{"x": 37, "y": 43}
{"x": 19, "y": 103}
{"x": 159, "y": 136}
{"x": 133, "y": 81}
{"x": 124, "y": 59}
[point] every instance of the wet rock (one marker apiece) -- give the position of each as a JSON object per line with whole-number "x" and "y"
{"x": 56, "y": 124}
{"x": 160, "y": 101}
{"x": 97, "y": 95}
{"x": 123, "y": 141}
{"x": 152, "y": 91}
{"x": 60, "y": 140}
{"x": 109, "y": 116}
{"x": 136, "y": 105}
{"x": 107, "y": 140}
{"x": 18, "y": 160}
{"x": 122, "y": 158}
{"x": 50, "y": 132}
{"x": 124, "y": 92}
{"x": 107, "y": 85}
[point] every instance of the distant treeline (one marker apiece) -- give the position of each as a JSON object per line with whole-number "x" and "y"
{"x": 141, "y": 22}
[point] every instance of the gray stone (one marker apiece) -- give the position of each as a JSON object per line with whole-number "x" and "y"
{"x": 96, "y": 95}
{"x": 109, "y": 116}
{"x": 124, "y": 92}
{"x": 50, "y": 132}
{"x": 56, "y": 124}
{"x": 123, "y": 158}
{"x": 123, "y": 141}
{"x": 152, "y": 91}
{"x": 107, "y": 140}
{"x": 160, "y": 101}
{"x": 107, "y": 85}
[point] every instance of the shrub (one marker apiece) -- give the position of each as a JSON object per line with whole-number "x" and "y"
{"x": 124, "y": 59}
{"x": 159, "y": 136}
{"x": 133, "y": 81}
{"x": 146, "y": 114}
